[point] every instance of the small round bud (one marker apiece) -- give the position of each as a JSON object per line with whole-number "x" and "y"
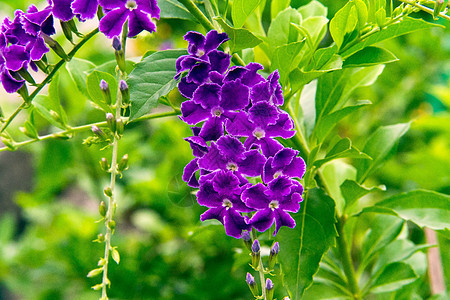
{"x": 123, "y": 86}
{"x": 102, "y": 209}
{"x": 97, "y": 131}
{"x": 104, "y": 85}
{"x": 275, "y": 248}
{"x": 269, "y": 289}
{"x": 108, "y": 192}
{"x": 106, "y": 94}
{"x": 112, "y": 225}
{"x": 256, "y": 254}
{"x": 246, "y": 237}
{"x": 250, "y": 279}
{"x": 101, "y": 237}
{"x": 117, "y": 45}
{"x": 273, "y": 255}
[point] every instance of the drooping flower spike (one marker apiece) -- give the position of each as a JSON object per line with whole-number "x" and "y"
{"x": 237, "y": 116}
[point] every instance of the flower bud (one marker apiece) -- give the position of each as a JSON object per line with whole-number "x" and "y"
{"x": 247, "y": 239}
{"x": 97, "y": 131}
{"x": 67, "y": 31}
{"x": 273, "y": 255}
{"x": 112, "y": 225}
{"x": 120, "y": 56}
{"x": 104, "y": 87}
{"x": 8, "y": 142}
{"x": 252, "y": 284}
{"x": 119, "y": 126}
{"x": 438, "y": 5}
{"x": 256, "y": 254}
{"x": 123, "y": 164}
{"x": 73, "y": 27}
{"x": 55, "y": 46}
{"x": 23, "y": 92}
{"x": 123, "y": 86}
{"x": 29, "y": 130}
{"x": 111, "y": 121}
{"x": 108, "y": 192}
{"x": 95, "y": 272}
{"x": 104, "y": 164}
{"x": 42, "y": 65}
{"x": 102, "y": 209}
{"x": 100, "y": 238}
{"x": 269, "y": 289}
{"x": 26, "y": 75}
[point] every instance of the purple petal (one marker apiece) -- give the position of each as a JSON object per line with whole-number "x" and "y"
{"x": 234, "y": 223}
{"x": 208, "y": 196}
{"x": 219, "y": 60}
{"x": 62, "y": 10}
{"x": 189, "y": 173}
{"x": 262, "y": 219}
{"x": 283, "y": 158}
{"x": 193, "y": 113}
{"x": 10, "y": 84}
{"x": 199, "y": 73}
{"x": 275, "y": 88}
{"x": 260, "y": 92}
{"x": 198, "y": 145}
{"x": 231, "y": 148}
{"x": 196, "y": 42}
{"x": 296, "y": 168}
{"x": 226, "y": 183}
{"x": 138, "y": 22}
{"x": 207, "y": 95}
{"x": 282, "y": 218}
{"x": 213, "y": 160}
{"x": 239, "y": 125}
{"x": 290, "y": 202}
{"x": 234, "y": 95}
{"x": 149, "y": 6}
{"x": 268, "y": 171}
{"x": 216, "y": 77}
{"x": 111, "y": 24}
{"x": 212, "y": 129}
{"x": 214, "y": 213}
{"x": 87, "y": 9}
{"x": 251, "y": 77}
{"x": 269, "y": 147}
{"x": 253, "y": 163}
{"x": 263, "y": 114}
{"x": 280, "y": 186}
{"x": 282, "y": 128}
{"x": 255, "y": 196}
{"x": 39, "y": 49}
{"x": 187, "y": 89}
{"x": 214, "y": 39}
{"x": 16, "y": 57}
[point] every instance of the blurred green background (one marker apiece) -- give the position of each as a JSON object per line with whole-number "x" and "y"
{"x": 49, "y": 192}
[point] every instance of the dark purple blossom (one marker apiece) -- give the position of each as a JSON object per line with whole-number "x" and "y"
{"x": 285, "y": 162}
{"x": 61, "y": 9}
{"x": 135, "y": 11}
{"x": 86, "y": 9}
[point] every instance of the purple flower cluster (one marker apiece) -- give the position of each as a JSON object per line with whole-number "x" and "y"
{"x": 23, "y": 40}
{"x": 235, "y": 145}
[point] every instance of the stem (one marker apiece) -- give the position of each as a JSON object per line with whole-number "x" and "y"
{"x": 261, "y": 278}
{"x": 347, "y": 260}
{"x": 425, "y": 9}
{"x": 87, "y": 127}
{"x": 197, "y": 13}
{"x": 48, "y": 78}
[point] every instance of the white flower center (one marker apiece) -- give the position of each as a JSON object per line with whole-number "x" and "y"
{"x": 200, "y": 53}
{"x": 279, "y": 173}
{"x": 274, "y": 204}
{"x": 259, "y": 133}
{"x": 131, "y": 4}
{"x": 227, "y": 203}
{"x": 232, "y": 166}
{"x": 217, "y": 112}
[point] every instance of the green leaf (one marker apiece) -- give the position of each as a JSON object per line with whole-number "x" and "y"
{"x": 304, "y": 246}
{"x": 172, "y": 9}
{"x": 115, "y": 255}
{"x": 151, "y": 79}
{"x": 278, "y": 5}
{"x": 352, "y": 191}
{"x": 7, "y": 227}
{"x": 335, "y": 173}
{"x": 79, "y": 69}
{"x": 326, "y": 124}
{"x": 93, "y": 86}
{"x": 343, "y": 23}
{"x": 425, "y": 208}
{"x": 111, "y": 66}
{"x": 392, "y": 277}
{"x": 241, "y": 10}
{"x": 407, "y": 25}
{"x": 285, "y": 59}
{"x": 342, "y": 149}
{"x": 378, "y": 146}
{"x": 240, "y": 38}
{"x": 363, "y": 15}
{"x": 383, "y": 230}
{"x": 281, "y": 32}
{"x": 369, "y": 56}
{"x": 313, "y": 8}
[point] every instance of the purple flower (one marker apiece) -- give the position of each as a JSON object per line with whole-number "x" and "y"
{"x": 136, "y": 11}
{"x": 222, "y": 195}
{"x": 12, "y": 58}
{"x": 86, "y": 9}
{"x": 268, "y": 90}
{"x": 272, "y": 202}
{"x": 228, "y": 153}
{"x": 285, "y": 162}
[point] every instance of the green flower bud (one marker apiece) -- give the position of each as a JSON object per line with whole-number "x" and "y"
{"x": 8, "y": 142}
{"x": 125, "y": 92}
{"x": 120, "y": 126}
{"x": 101, "y": 237}
{"x": 108, "y": 192}
{"x": 29, "y": 130}
{"x": 74, "y": 29}
{"x": 123, "y": 165}
{"x": 247, "y": 239}
{"x": 55, "y": 47}
{"x": 256, "y": 254}
{"x": 273, "y": 255}
{"x": 252, "y": 285}
{"x": 104, "y": 164}
{"x": 97, "y": 131}
{"x": 438, "y": 5}
{"x": 23, "y": 92}
{"x": 95, "y": 272}
{"x": 67, "y": 31}
{"x": 42, "y": 65}
{"x": 97, "y": 287}
{"x": 26, "y": 75}
{"x": 111, "y": 121}
{"x": 120, "y": 56}
{"x": 269, "y": 289}
{"x": 102, "y": 209}
{"x": 112, "y": 225}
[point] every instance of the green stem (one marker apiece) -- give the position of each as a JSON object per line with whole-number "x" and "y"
{"x": 347, "y": 260}
{"x": 48, "y": 78}
{"x": 425, "y": 9}
{"x": 87, "y": 127}
{"x": 261, "y": 278}
{"x": 299, "y": 139}
{"x": 198, "y": 14}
